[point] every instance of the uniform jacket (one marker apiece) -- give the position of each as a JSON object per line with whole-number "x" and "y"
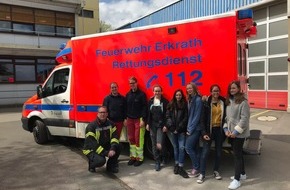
{"x": 100, "y": 137}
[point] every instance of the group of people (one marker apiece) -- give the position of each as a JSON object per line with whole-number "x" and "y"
{"x": 185, "y": 119}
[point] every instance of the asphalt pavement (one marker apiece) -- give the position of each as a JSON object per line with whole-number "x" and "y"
{"x": 60, "y": 164}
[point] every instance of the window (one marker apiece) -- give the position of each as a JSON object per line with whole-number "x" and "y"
{"x": 25, "y": 70}
{"x": 278, "y": 28}
{"x": 64, "y": 31}
{"x": 24, "y": 73}
{"x": 87, "y": 13}
{"x": 278, "y": 64}
{"x": 260, "y": 15}
{"x": 36, "y": 21}
{"x": 278, "y": 82}
{"x": 5, "y": 26}
{"x": 257, "y": 82}
{"x": 256, "y": 67}
{"x": 6, "y": 71}
{"x": 278, "y": 46}
{"x": 257, "y": 49}
{"x": 26, "y": 28}
{"x": 278, "y": 10}
{"x": 57, "y": 83}
{"x": 44, "y": 29}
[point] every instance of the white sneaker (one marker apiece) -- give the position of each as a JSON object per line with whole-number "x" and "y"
{"x": 217, "y": 175}
{"x": 234, "y": 184}
{"x": 242, "y": 177}
{"x": 200, "y": 179}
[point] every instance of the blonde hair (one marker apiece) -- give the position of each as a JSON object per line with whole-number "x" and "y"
{"x": 195, "y": 89}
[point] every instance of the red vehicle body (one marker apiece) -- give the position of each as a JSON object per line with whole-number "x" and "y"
{"x": 204, "y": 51}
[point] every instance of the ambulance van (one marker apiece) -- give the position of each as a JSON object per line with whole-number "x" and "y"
{"x": 205, "y": 51}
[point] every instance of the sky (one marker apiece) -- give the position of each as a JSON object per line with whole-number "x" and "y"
{"x": 120, "y": 12}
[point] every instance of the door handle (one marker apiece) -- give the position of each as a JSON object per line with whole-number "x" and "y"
{"x": 64, "y": 101}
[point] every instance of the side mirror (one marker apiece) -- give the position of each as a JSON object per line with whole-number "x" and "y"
{"x": 39, "y": 91}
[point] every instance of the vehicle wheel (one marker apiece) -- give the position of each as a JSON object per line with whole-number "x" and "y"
{"x": 40, "y": 132}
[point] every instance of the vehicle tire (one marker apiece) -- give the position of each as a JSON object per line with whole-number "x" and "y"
{"x": 40, "y": 132}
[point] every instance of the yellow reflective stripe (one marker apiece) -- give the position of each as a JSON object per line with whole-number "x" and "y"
{"x": 139, "y": 150}
{"x": 91, "y": 134}
{"x": 113, "y": 129}
{"x": 97, "y": 136}
{"x": 100, "y": 149}
{"x": 114, "y": 140}
{"x": 86, "y": 152}
{"x": 133, "y": 151}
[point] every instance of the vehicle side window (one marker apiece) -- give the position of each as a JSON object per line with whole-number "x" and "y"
{"x": 57, "y": 83}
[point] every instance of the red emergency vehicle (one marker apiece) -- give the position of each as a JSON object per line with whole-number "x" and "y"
{"x": 205, "y": 50}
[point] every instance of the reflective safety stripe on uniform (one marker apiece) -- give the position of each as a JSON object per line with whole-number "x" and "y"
{"x": 140, "y": 149}
{"x": 133, "y": 153}
{"x": 112, "y": 130}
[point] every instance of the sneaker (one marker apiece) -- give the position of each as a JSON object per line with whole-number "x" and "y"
{"x": 176, "y": 168}
{"x": 182, "y": 172}
{"x": 131, "y": 162}
{"x": 200, "y": 179}
{"x": 217, "y": 175}
{"x": 194, "y": 173}
{"x": 157, "y": 166}
{"x": 242, "y": 177}
{"x": 234, "y": 184}
{"x": 138, "y": 163}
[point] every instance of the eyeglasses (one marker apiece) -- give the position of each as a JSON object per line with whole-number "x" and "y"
{"x": 103, "y": 112}
{"x": 132, "y": 83}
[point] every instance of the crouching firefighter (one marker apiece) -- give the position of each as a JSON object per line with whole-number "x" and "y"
{"x": 101, "y": 141}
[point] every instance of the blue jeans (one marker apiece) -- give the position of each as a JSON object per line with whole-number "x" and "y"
{"x": 192, "y": 148}
{"x": 178, "y": 143}
{"x": 217, "y": 136}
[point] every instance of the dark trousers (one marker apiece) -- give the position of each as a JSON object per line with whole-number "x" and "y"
{"x": 156, "y": 135}
{"x": 237, "y": 144}
{"x": 95, "y": 160}
{"x": 217, "y": 136}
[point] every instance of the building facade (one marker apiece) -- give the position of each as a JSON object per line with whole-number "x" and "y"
{"x": 267, "y": 65}
{"x": 31, "y": 33}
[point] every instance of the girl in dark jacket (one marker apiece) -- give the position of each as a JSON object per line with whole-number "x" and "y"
{"x": 212, "y": 130}
{"x": 156, "y": 123}
{"x": 176, "y": 122}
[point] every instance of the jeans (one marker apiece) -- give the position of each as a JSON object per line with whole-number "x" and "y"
{"x": 237, "y": 144}
{"x": 192, "y": 148}
{"x": 217, "y": 136}
{"x": 178, "y": 143}
{"x": 156, "y": 135}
